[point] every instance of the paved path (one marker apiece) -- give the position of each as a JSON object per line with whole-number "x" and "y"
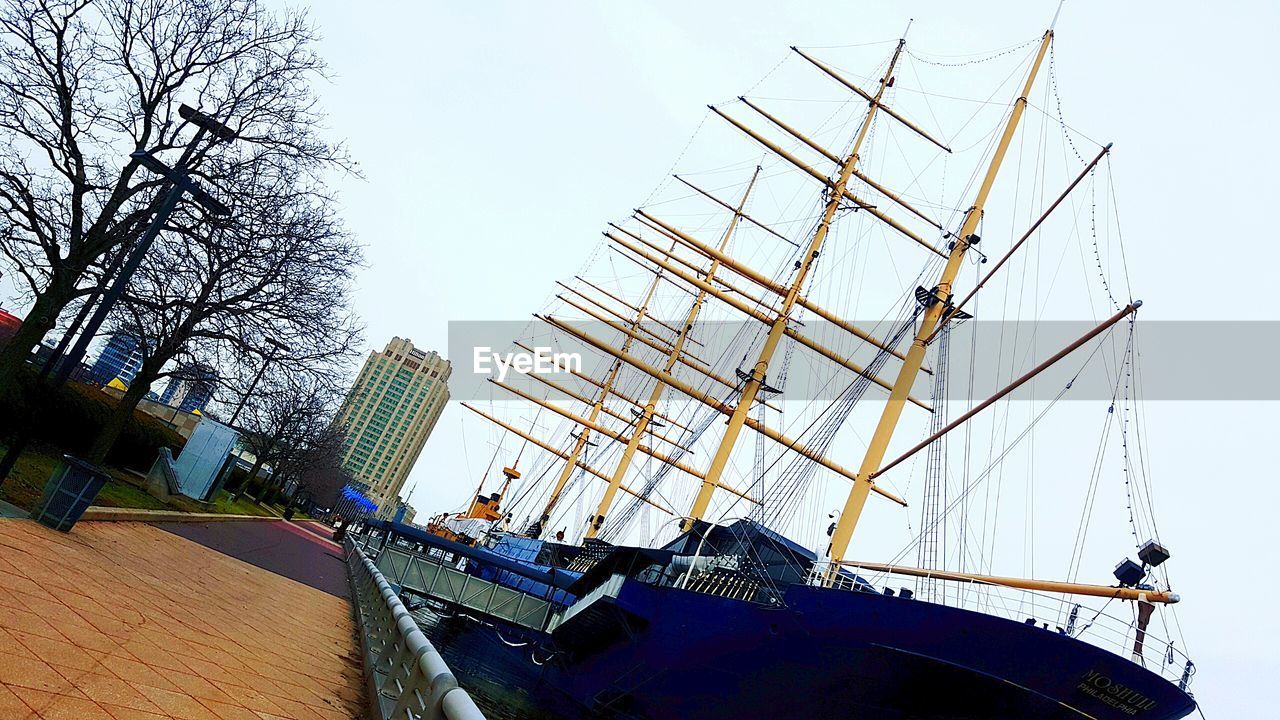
{"x": 125, "y": 621}
{"x": 282, "y": 547}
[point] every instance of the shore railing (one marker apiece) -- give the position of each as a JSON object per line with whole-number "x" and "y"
{"x": 407, "y": 678}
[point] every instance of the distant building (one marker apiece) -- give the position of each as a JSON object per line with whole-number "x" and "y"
{"x": 190, "y": 388}
{"x": 401, "y": 512}
{"x": 43, "y": 354}
{"x": 121, "y": 358}
{"x": 389, "y": 414}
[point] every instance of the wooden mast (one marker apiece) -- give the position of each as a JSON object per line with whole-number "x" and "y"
{"x": 757, "y": 377}
{"x": 646, "y": 414}
{"x": 915, "y": 356}
{"x": 1119, "y": 593}
{"x": 702, "y": 282}
{"x": 580, "y": 442}
{"x": 559, "y": 453}
{"x": 711, "y": 402}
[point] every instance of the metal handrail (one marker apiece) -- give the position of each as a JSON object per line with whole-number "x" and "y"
{"x": 408, "y": 679}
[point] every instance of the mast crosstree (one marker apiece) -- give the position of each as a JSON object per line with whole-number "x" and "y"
{"x": 892, "y": 412}
{"x": 777, "y": 329}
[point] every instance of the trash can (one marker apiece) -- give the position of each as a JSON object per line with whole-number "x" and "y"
{"x": 288, "y": 513}
{"x": 70, "y": 490}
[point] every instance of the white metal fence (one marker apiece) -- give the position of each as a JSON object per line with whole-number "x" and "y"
{"x": 408, "y": 680}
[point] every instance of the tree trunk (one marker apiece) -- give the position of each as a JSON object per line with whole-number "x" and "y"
{"x": 39, "y": 321}
{"x": 267, "y": 487}
{"x": 117, "y": 420}
{"x": 258, "y": 462}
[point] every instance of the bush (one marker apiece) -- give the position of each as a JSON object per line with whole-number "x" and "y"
{"x": 69, "y": 418}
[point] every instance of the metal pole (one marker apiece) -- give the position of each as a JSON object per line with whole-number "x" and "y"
{"x": 56, "y": 378}
{"x": 56, "y": 358}
{"x": 53, "y": 378}
{"x": 113, "y": 293}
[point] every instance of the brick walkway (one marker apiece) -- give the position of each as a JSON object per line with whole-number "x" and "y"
{"x": 124, "y": 621}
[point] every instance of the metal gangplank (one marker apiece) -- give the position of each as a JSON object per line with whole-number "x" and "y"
{"x": 436, "y": 575}
{"x": 407, "y": 678}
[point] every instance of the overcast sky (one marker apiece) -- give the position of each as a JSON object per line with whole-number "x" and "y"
{"x": 496, "y": 139}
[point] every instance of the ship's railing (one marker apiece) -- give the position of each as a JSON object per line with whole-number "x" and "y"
{"x": 1062, "y": 613}
{"x": 408, "y": 680}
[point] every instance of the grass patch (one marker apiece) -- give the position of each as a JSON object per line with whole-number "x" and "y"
{"x": 121, "y": 495}
{"x": 25, "y": 485}
{"x": 124, "y": 489}
{"x": 243, "y": 506}
{"x": 69, "y": 418}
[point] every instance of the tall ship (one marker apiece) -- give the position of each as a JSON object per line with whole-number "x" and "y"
{"x": 746, "y": 501}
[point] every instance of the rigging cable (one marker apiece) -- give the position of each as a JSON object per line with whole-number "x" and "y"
{"x": 1008, "y": 449}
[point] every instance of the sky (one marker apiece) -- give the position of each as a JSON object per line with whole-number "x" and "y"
{"x": 496, "y": 139}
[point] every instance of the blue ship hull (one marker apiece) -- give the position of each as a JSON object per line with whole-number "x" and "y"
{"x": 662, "y": 652}
{"x": 641, "y": 650}
{"x": 835, "y": 653}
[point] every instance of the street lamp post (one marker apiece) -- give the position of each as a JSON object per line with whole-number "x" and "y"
{"x": 180, "y": 184}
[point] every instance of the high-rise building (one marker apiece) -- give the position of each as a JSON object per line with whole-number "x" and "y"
{"x": 389, "y": 414}
{"x": 190, "y": 388}
{"x": 121, "y": 358}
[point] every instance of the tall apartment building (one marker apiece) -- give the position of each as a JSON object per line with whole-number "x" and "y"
{"x": 389, "y": 414}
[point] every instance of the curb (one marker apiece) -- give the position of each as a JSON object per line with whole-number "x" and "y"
{"x": 101, "y": 513}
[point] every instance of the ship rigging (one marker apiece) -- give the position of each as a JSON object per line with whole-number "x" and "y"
{"x": 698, "y": 339}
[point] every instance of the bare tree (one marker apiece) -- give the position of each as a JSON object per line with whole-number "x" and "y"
{"x": 84, "y": 83}
{"x": 284, "y": 418}
{"x": 213, "y": 292}
{"x": 314, "y": 467}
